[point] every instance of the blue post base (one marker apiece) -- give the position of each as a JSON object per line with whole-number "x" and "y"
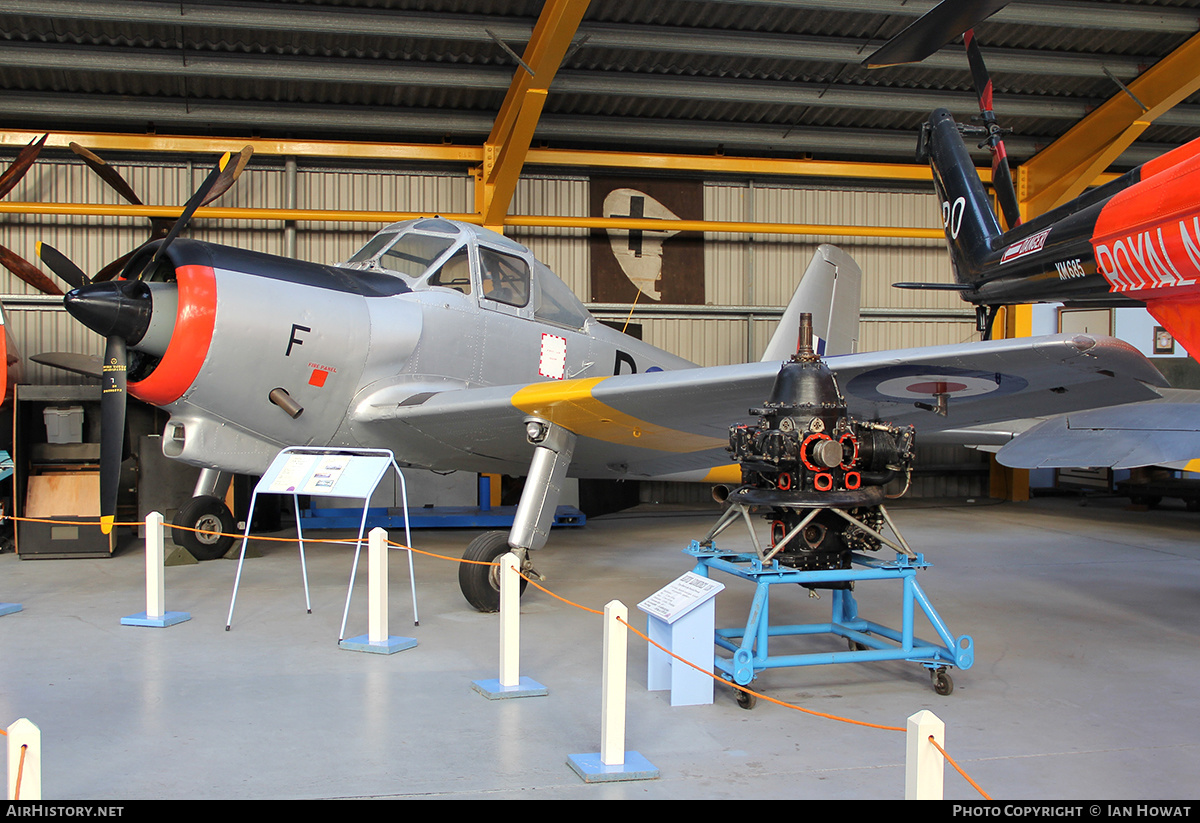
{"x": 493, "y": 690}
{"x": 144, "y": 619}
{"x": 389, "y": 646}
{"x": 593, "y": 770}
{"x": 9, "y": 608}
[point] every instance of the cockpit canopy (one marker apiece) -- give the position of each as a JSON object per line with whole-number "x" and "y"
{"x": 501, "y": 274}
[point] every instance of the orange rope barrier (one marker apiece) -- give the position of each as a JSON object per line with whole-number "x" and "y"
{"x": 20, "y": 772}
{"x": 966, "y": 777}
{"x": 541, "y": 588}
{"x": 763, "y": 696}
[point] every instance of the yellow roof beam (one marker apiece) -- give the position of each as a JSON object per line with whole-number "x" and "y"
{"x": 1064, "y": 169}
{"x": 473, "y": 155}
{"x": 507, "y": 146}
{"x": 114, "y": 210}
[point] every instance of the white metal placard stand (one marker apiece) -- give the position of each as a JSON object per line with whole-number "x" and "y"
{"x": 333, "y": 472}
{"x": 680, "y": 617}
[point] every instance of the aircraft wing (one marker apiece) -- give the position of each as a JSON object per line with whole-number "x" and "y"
{"x": 1162, "y": 432}
{"x": 658, "y": 423}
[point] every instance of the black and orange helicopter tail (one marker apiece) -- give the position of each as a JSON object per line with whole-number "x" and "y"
{"x": 972, "y": 229}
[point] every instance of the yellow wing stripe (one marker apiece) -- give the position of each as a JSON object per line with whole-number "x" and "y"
{"x": 731, "y": 474}
{"x": 571, "y": 404}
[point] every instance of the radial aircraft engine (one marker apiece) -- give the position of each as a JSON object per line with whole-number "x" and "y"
{"x": 807, "y": 460}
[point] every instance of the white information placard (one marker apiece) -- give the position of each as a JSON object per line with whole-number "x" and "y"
{"x": 680, "y": 596}
{"x": 325, "y": 475}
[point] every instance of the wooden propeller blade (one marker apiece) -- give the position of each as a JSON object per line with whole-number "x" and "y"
{"x": 25, "y": 158}
{"x": 107, "y": 173}
{"x": 25, "y": 270}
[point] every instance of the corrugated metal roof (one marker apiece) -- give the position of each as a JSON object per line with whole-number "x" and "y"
{"x": 683, "y": 74}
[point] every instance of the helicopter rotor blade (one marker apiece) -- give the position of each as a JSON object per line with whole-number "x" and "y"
{"x": 1002, "y": 182}
{"x": 932, "y": 30}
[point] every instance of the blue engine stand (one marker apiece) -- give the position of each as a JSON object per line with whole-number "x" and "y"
{"x": 868, "y": 641}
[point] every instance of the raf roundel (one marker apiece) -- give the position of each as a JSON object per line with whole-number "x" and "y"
{"x": 900, "y": 383}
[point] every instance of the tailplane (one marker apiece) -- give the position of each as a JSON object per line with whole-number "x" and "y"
{"x": 831, "y": 291}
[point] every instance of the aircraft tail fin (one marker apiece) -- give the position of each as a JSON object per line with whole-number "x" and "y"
{"x": 972, "y": 229}
{"x": 831, "y": 290}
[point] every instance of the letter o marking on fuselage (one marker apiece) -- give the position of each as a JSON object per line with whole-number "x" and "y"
{"x": 952, "y": 216}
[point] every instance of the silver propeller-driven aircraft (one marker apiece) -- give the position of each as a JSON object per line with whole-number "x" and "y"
{"x": 455, "y": 348}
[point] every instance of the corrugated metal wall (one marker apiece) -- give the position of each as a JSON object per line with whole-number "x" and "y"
{"x": 756, "y": 274}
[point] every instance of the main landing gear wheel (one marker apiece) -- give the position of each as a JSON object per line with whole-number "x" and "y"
{"x": 215, "y": 523}
{"x": 481, "y": 584}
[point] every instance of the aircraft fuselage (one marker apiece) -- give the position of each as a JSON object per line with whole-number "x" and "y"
{"x": 350, "y": 344}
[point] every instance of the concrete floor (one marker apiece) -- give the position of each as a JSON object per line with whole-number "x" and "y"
{"x": 1085, "y": 617}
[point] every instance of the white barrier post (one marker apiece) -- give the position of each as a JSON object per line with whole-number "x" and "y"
{"x": 377, "y": 639}
{"x": 156, "y": 614}
{"x": 510, "y": 621}
{"x": 25, "y": 759}
{"x": 924, "y": 764}
{"x": 510, "y": 683}
{"x": 612, "y": 695}
{"x": 377, "y": 593}
{"x": 613, "y": 762}
{"x": 156, "y": 584}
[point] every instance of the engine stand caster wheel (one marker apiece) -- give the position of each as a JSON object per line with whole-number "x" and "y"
{"x": 746, "y": 700}
{"x": 943, "y": 684}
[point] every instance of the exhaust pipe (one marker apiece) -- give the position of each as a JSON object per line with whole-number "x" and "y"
{"x": 285, "y": 401}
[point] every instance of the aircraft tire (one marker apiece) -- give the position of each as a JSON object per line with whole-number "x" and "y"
{"x": 204, "y": 512}
{"x": 481, "y": 584}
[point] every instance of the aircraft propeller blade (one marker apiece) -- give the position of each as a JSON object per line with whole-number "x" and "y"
{"x": 12, "y": 261}
{"x": 1002, "y": 182}
{"x": 25, "y": 270}
{"x": 932, "y": 30}
{"x": 217, "y": 183}
{"x": 106, "y": 173}
{"x": 62, "y": 265}
{"x": 16, "y": 170}
{"x": 229, "y": 174}
{"x": 112, "y": 428}
{"x": 88, "y": 365}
